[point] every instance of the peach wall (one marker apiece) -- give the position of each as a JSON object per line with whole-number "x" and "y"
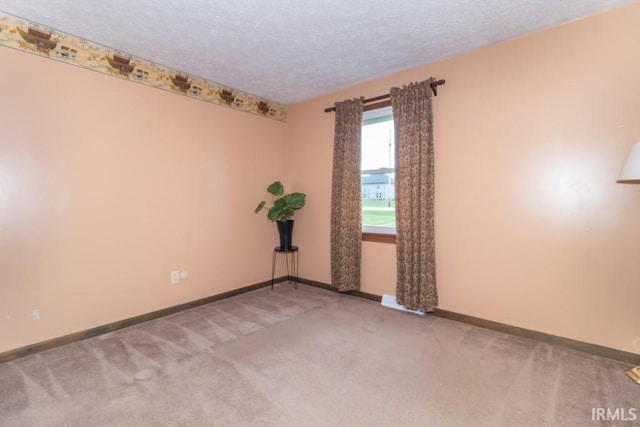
{"x": 532, "y": 229}
{"x": 106, "y": 186}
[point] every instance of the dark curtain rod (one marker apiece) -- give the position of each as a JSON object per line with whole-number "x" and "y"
{"x": 434, "y": 88}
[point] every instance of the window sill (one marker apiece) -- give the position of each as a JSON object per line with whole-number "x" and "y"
{"x": 379, "y": 237}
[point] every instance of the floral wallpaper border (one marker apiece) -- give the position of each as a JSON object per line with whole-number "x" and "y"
{"x": 30, "y": 37}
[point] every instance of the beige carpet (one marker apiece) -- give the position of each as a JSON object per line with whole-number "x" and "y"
{"x": 309, "y": 357}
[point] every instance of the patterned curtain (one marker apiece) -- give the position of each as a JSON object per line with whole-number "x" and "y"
{"x": 415, "y": 243}
{"x": 346, "y": 200}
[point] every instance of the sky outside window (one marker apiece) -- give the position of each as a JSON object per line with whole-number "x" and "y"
{"x": 375, "y": 146}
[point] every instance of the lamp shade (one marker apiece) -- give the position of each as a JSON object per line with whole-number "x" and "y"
{"x": 631, "y": 171}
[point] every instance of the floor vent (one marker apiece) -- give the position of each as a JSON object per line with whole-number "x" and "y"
{"x": 390, "y": 301}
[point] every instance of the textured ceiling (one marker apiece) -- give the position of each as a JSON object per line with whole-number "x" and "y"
{"x": 291, "y": 50}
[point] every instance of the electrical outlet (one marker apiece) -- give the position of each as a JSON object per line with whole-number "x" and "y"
{"x": 35, "y": 313}
{"x": 175, "y": 277}
{"x": 184, "y": 275}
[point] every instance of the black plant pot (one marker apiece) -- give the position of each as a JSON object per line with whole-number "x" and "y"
{"x": 285, "y": 228}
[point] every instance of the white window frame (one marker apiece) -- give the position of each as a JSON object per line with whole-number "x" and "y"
{"x": 369, "y": 116}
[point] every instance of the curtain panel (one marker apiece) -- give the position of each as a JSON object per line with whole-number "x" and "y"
{"x": 415, "y": 237}
{"x": 346, "y": 199}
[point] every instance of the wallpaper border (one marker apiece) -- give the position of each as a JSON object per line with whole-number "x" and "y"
{"x": 27, "y": 36}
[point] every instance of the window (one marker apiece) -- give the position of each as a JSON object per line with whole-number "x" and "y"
{"x": 378, "y": 172}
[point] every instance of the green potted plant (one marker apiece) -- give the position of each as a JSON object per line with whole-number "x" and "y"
{"x": 284, "y": 206}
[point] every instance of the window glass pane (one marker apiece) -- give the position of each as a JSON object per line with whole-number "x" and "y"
{"x": 377, "y": 145}
{"x": 378, "y": 175}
